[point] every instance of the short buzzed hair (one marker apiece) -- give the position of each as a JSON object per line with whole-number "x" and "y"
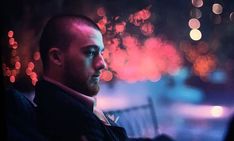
{"x": 57, "y": 33}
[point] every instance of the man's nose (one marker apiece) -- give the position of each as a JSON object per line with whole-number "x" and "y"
{"x": 100, "y": 62}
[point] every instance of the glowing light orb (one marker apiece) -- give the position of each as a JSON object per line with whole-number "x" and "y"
{"x": 31, "y": 65}
{"x": 17, "y": 65}
{"x": 197, "y": 3}
{"x": 10, "y": 34}
{"x": 12, "y": 79}
{"x": 194, "y": 23}
{"x": 11, "y": 41}
{"x": 106, "y": 75}
{"x": 217, "y": 111}
{"x": 217, "y": 8}
{"x": 195, "y": 34}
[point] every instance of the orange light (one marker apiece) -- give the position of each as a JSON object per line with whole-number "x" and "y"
{"x": 10, "y": 34}
{"x": 106, "y": 75}
{"x": 203, "y": 65}
{"x": 217, "y": 8}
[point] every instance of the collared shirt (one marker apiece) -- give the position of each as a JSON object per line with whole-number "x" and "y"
{"x": 90, "y": 101}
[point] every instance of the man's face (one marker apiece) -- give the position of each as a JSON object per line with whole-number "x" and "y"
{"x": 83, "y": 61}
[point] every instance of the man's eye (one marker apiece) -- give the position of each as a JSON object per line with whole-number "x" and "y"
{"x": 90, "y": 53}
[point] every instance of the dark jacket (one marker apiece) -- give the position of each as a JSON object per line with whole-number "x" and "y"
{"x": 64, "y": 118}
{"x": 21, "y": 118}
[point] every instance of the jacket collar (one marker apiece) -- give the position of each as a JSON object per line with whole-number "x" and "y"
{"x": 90, "y": 101}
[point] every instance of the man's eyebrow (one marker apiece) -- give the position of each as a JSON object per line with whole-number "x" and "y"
{"x": 93, "y": 47}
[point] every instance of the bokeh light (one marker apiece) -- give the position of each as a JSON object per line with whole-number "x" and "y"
{"x": 10, "y": 34}
{"x": 217, "y": 8}
{"x": 17, "y": 65}
{"x": 101, "y": 11}
{"x": 195, "y": 34}
{"x": 120, "y": 27}
{"x": 197, "y": 3}
{"x": 12, "y": 79}
{"x": 147, "y": 29}
{"x": 11, "y": 41}
{"x": 231, "y": 16}
{"x": 203, "y": 65}
{"x": 217, "y": 111}
{"x": 196, "y": 13}
{"x": 36, "y": 56}
{"x": 106, "y": 75}
{"x": 194, "y": 23}
{"x": 31, "y": 65}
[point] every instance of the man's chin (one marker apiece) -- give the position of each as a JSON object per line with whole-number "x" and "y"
{"x": 93, "y": 90}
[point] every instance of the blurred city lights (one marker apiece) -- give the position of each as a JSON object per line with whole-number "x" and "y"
{"x": 36, "y": 56}
{"x": 197, "y": 3}
{"x": 120, "y": 27}
{"x": 101, "y": 11}
{"x": 194, "y": 23}
{"x": 147, "y": 29}
{"x": 195, "y": 34}
{"x": 31, "y": 65}
{"x": 217, "y": 8}
{"x": 203, "y": 65}
{"x": 216, "y": 111}
{"x": 106, "y": 75}
{"x": 196, "y": 13}
{"x": 12, "y": 79}
{"x": 17, "y": 65}
{"x": 231, "y": 16}
{"x": 11, "y": 41}
{"x": 10, "y": 34}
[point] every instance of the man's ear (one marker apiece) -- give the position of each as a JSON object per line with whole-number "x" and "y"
{"x": 56, "y": 56}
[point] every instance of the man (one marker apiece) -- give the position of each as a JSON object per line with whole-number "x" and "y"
{"x": 71, "y": 51}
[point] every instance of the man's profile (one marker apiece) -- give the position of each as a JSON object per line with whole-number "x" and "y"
{"x": 71, "y": 49}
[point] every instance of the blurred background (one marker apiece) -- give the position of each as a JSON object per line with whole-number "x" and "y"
{"x": 177, "y": 53}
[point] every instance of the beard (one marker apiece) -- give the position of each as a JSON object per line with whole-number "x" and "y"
{"x": 90, "y": 87}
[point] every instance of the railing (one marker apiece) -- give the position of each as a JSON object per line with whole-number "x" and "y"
{"x": 138, "y": 121}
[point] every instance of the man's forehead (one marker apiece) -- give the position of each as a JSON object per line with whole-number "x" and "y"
{"x": 88, "y": 36}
